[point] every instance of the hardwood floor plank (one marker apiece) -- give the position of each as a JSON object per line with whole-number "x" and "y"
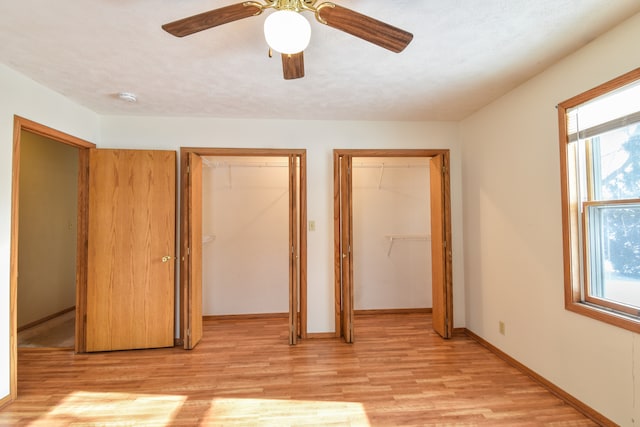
{"x": 398, "y": 372}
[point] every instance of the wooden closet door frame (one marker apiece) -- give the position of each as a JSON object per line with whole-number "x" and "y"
{"x": 21, "y": 124}
{"x": 298, "y": 300}
{"x": 343, "y": 315}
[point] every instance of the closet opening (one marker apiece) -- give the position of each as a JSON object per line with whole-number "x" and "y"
{"x": 243, "y": 249}
{"x": 391, "y": 235}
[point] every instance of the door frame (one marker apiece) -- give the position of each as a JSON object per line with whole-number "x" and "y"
{"x": 185, "y": 226}
{"x": 21, "y": 124}
{"x": 339, "y": 291}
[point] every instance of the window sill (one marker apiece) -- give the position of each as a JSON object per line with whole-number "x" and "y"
{"x": 621, "y": 320}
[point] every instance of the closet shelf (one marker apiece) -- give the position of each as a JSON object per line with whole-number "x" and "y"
{"x": 415, "y": 237}
{"x": 383, "y": 165}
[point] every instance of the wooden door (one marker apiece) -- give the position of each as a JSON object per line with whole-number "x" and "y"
{"x": 193, "y": 297}
{"x": 293, "y": 250}
{"x": 131, "y": 245}
{"x": 439, "y": 270}
{"x": 346, "y": 239}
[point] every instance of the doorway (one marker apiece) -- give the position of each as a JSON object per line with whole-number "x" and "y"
{"x": 437, "y": 229}
{"x": 99, "y": 174}
{"x": 24, "y": 128}
{"x": 245, "y": 236}
{"x": 391, "y": 235}
{"x": 47, "y": 242}
{"x": 197, "y": 238}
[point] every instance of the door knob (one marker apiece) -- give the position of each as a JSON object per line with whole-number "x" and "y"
{"x": 166, "y": 258}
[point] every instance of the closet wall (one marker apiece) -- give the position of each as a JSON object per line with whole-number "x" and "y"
{"x": 246, "y": 235}
{"x": 391, "y": 228}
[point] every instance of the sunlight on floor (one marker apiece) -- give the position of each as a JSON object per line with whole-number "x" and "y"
{"x": 111, "y": 409}
{"x": 87, "y": 408}
{"x": 271, "y": 412}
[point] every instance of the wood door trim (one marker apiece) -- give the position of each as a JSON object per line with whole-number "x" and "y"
{"x": 21, "y": 124}
{"x": 356, "y": 152}
{"x": 242, "y": 152}
{"x": 47, "y": 132}
{"x": 245, "y": 152}
{"x": 337, "y": 154}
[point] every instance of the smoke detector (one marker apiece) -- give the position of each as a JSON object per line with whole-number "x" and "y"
{"x": 128, "y": 96}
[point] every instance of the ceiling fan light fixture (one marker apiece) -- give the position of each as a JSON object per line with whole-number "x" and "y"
{"x": 287, "y": 31}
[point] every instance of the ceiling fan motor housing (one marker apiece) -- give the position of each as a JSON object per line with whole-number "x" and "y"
{"x": 295, "y": 5}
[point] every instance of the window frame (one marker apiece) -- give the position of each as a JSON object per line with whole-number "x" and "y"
{"x": 588, "y": 259}
{"x": 574, "y": 255}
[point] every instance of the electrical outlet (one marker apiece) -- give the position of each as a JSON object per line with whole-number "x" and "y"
{"x": 312, "y": 225}
{"x": 501, "y": 327}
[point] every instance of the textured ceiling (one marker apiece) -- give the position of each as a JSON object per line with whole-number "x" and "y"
{"x": 464, "y": 54}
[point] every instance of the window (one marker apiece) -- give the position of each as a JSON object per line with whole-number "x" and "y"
{"x": 600, "y": 171}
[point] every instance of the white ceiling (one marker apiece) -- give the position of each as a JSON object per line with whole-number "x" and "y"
{"x": 464, "y": 54}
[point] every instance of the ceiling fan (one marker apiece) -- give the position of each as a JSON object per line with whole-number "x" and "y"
{"x": 291, "y": 43}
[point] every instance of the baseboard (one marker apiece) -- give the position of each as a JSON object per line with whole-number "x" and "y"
{"x": 554, "y": 389}
{"x": 458, "y": 332}
{"x": 44, "y": 349}
{"x": 373, "y": 312}
{"x": 393, "y": 311}
{"x": 246, "y": 316}
{"x": 321, "y": 335}
{"x": 45, "y": 319}
{"x": 5, "y": 401}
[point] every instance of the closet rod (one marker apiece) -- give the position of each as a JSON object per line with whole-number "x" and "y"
{"x": 248, "y": 165}
{"x": 387, "y": 166}
{"x": 416, "y": 237}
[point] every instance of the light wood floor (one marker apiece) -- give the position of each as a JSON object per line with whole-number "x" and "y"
{"x": 243, "y": 373}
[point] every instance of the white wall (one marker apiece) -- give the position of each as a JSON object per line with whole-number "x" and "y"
{"x": 391, "y": 197}
{"x": 245, "y": 265}
{"x": 23, "y": 97}
{"x": 319, "y": 138}
{"x": 513, "y": 235}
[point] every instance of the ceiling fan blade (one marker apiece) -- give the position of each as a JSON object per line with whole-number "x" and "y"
{"x": 293, "y": 65}
{"x": 213, "y": 18}
{"x": 364, "y": 27}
